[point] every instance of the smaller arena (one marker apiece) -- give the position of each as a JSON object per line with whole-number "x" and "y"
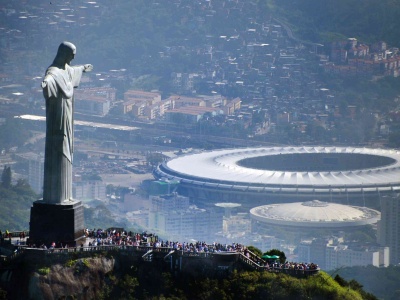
{"x": 314, "y": 214}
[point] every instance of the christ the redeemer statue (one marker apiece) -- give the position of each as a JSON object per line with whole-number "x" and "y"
{"x": 58, "y": 90}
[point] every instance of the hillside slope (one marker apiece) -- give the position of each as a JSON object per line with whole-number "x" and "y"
{"x": 113, "y": 275}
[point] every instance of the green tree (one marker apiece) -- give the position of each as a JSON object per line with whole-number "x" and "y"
{"x": 255, "y": 250}
{"x": 128, "y": 285}
{"x": 281, "y": 254}
{"x": 16, "y": 202}
{"x": 154, "y": 158}
{"x": 3, "y": 295}
{"x": 339, "y": 279}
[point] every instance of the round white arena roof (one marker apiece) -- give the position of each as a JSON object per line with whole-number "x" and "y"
{"x": 314, "y": 214}
{"x": 289, "y": 169}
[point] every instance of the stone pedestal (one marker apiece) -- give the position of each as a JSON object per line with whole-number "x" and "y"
{"x": 59, "y": 223}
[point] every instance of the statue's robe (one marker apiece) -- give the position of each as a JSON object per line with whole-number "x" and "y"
{"x": 58, "y": 90}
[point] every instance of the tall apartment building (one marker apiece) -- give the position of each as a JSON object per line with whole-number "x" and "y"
{"x": 333, "y": 253}
{"x": 338, "y": 256}
{"x": 89, "y": 190}
{"x": 389, "y": 226}
{"x": 36, "y": 172}
{"x": 166, "y": 203}
{"x": 173, "y": 216}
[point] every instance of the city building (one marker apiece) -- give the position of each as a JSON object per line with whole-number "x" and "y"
{"x": 333, "y": 253}
{"x": 89, "y": 190}
{"x": 36, "y": 171}
{"x": 338, "y": 256}
{"x": 173, "y": 216}
{"x": 138, "y": 95}
{"x": 237, "y": 226}
{"x": 232, "y": 106}
{"x": 95, "y": 101}
{"x": 389, "y": 226}
{"x": 190, "y": 114}
{"x": 93, "y": 105}
{"x": 262, "y": 242}
{"x": 35, "y": 164}
{"x": 142, "y": 104}
{"x": 182, "y": 101}
{"x": 108, "y": 93}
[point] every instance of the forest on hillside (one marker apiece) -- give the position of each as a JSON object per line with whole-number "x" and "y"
{"x": 15, "y": 202}
{"x": 92, "y": 278}
{"x": 151, "y": 27}
{"x": 382, "y": 282}
{"x": 327, "y": 20}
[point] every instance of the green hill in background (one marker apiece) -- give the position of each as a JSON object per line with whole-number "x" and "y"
{"x": 327, "y": 20}
{"x": 15, "y": 203}
{"x": 382, "y": 282}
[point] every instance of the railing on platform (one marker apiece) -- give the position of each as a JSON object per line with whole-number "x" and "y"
{"x": 169, "y": 254}
{"x": 148, "y": 255}
{"x": 286, "y": 270}
{"x": 14, "y": 234}
{"x": 250, "y": 259}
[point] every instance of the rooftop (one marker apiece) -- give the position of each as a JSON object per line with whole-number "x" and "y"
{"x": 314, "y": 213}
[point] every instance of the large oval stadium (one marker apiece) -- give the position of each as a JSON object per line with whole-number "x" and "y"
{"x": 257, "y": 176}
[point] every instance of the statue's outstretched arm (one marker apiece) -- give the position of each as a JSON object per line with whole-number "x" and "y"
{"x": 87, "y": 68}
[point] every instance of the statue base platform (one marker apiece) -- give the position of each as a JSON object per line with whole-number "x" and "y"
{"x": 59, "y": 223}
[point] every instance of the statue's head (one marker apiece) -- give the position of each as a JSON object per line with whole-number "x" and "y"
{"x": 66, "y": 52}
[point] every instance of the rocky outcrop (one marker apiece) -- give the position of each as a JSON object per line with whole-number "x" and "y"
{"x": 79, "y": 279}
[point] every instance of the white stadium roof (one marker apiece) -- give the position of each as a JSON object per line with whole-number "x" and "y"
{"x": 364, "y": 169}
{"x": 314, "y": 214}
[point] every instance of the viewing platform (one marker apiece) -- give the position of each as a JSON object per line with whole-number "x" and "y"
{"x": 178, "y": 259}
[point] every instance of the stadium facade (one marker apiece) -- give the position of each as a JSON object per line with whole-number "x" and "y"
{"x": 259, "y": 176}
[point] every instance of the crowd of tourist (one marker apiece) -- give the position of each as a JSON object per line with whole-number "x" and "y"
{"x": 120, "y": 237}
{"x": 99, "y": 237}
{"x": 7, "y": 235}
{"x": 292, "y": 266}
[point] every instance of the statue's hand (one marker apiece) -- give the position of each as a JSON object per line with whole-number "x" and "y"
{"x": 87, "y": 68}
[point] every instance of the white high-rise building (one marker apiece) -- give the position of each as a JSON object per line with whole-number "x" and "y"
{"x": 333, "y": 253}
{"x": 89, "y": 190}
{"x": 173, "y": 216}
{"x": 36, "y": 172}
{"x": 338, "y": 256}
{"x": 389, "y": 226}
